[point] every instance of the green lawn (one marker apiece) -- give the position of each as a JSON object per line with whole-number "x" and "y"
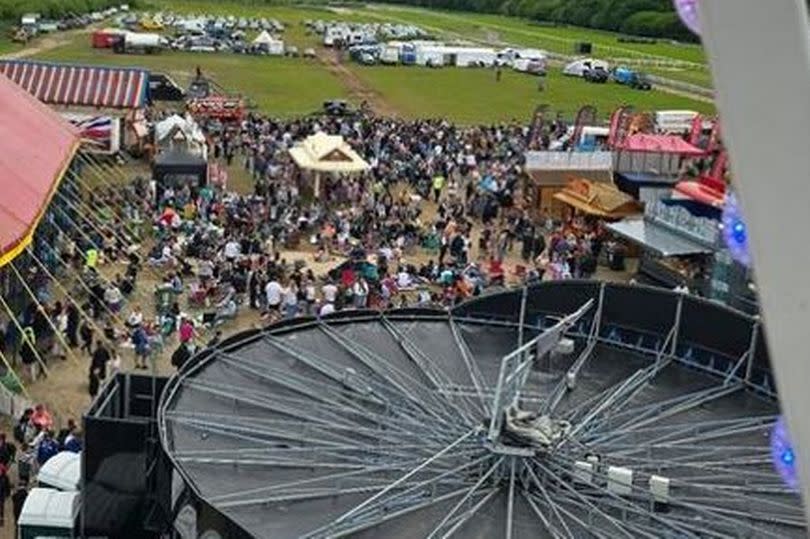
{"x": 289, "y": 87}
{"x": 500, "y": 29}
{"x": 473, "y": 95}
{"x": 558, "y": 39}
{"x": 278, "y": 86}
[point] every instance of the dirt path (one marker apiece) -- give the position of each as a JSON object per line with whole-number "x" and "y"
{"x": 358, "y": 90}
{"x": 47, "y": 43}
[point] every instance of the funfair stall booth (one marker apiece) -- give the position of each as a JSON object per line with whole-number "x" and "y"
{"x": 182, "y": 154}
{"x": 101, "y": 101}
{"x": 548, "y": 173}
{"x": 322, "y": 156}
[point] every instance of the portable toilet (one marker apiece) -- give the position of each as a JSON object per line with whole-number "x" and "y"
{"x": 408, "y": 55}
{"x": 63, "y": 472}
{"x": 48, "y": 513}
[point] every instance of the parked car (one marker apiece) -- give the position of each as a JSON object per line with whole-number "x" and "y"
{"x": 291, "y": 51}
{"x": 597, "y": 75}
{"x": 309, "y": 53}
{"x": 367, "y": 59}
{"x": 632, "y": 78}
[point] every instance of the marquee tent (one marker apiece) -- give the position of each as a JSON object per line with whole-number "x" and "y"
{"x": 183, "y": 134}
{"x": 321, "y": 153}
{"x": 269, "y": 43}
{"x": 327, "y": 153}
{"x": 666, "y": 144}
{"x": 84, "y": 86}
{"x": 36, "y": 147}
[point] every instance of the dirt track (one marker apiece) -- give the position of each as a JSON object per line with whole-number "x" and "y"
{"x": 49, "y": 42}
{"x": 357, "y": 89}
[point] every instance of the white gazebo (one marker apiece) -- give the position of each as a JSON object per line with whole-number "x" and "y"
{"x": 327, "y": 154}
{"x": 181, "y": 133}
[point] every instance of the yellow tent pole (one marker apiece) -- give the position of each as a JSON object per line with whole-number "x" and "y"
{"x": 90, "y": 292}
{"x": 56, "y": 331}
{"x": 93, "y": 224}
{"x": 116, "y": 214}
{"x": 69, "y": 297}
{"x": 14, "y": 374}
{"x": 23, "y": 335}
{"x": 97, "y": 169}
{"x": 98, "y": 247}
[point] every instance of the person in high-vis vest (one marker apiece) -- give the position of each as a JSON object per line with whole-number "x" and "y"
{"x": 91, "y": 258}
{"x": 438, "y": 185}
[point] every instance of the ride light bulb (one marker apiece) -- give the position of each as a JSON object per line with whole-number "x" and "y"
{"x": 688, "y": 12}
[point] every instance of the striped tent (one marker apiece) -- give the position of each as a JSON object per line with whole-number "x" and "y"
{"x": 84, "y": 86}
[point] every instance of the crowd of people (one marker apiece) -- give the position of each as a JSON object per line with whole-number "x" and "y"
{"x": 432, "y": 223}
{"x": 35, "y": 443}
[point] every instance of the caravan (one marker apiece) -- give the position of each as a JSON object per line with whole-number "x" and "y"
{"x": 389, "y": 54}
{"x": 471, "y": 57}
{"x": 430, "y": 55}
{"x": 578, "y": 68}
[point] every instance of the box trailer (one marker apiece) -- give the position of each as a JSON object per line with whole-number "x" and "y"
{"x": 472, "y": 57}
{"x": 430, "y": 56}
{"x": 389, "y": 54}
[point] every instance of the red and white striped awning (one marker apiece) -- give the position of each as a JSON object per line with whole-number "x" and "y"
{"x": 85, "y": 86}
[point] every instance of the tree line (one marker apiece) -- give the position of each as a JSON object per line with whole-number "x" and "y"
{"x": 649, "y": 18}
{"x": 12, "y": 10}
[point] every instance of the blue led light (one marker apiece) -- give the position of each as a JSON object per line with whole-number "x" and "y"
{"x": 735, "y": 233}
{"x": 784, "y": 459}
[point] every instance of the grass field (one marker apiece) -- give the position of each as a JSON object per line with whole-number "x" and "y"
{"x": 473, "y": 95}
{"x": 289, "y": 87}
{"x": 560, "y": 39}
{"x": 278, "y": 86}
{"x": 501, "y": 29}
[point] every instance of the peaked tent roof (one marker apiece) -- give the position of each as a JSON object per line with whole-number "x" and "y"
{"x": 598, "y": 198}
{"x": 670, "y": 144}
{"x": 84, "y": 86}
{"x": 264, "y": 38}
{"x": 36, "y": 147}
{"x": 327, "y": 153}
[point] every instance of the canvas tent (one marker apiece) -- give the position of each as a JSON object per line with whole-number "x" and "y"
{"x": 84, "y": 86}
{"x": 577, "y": 68}
{"x": 268, "y": 43}
{"x": 63, "y": 471}
{"x": 327, "y": 154}
{"x": 657, "y": 154}
{"x": 48, "y": 513}
{"x": 36, "y": 148}
{"x": 177, "y": 133}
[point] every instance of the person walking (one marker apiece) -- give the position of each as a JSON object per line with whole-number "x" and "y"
{"x": 99, "y": 362}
